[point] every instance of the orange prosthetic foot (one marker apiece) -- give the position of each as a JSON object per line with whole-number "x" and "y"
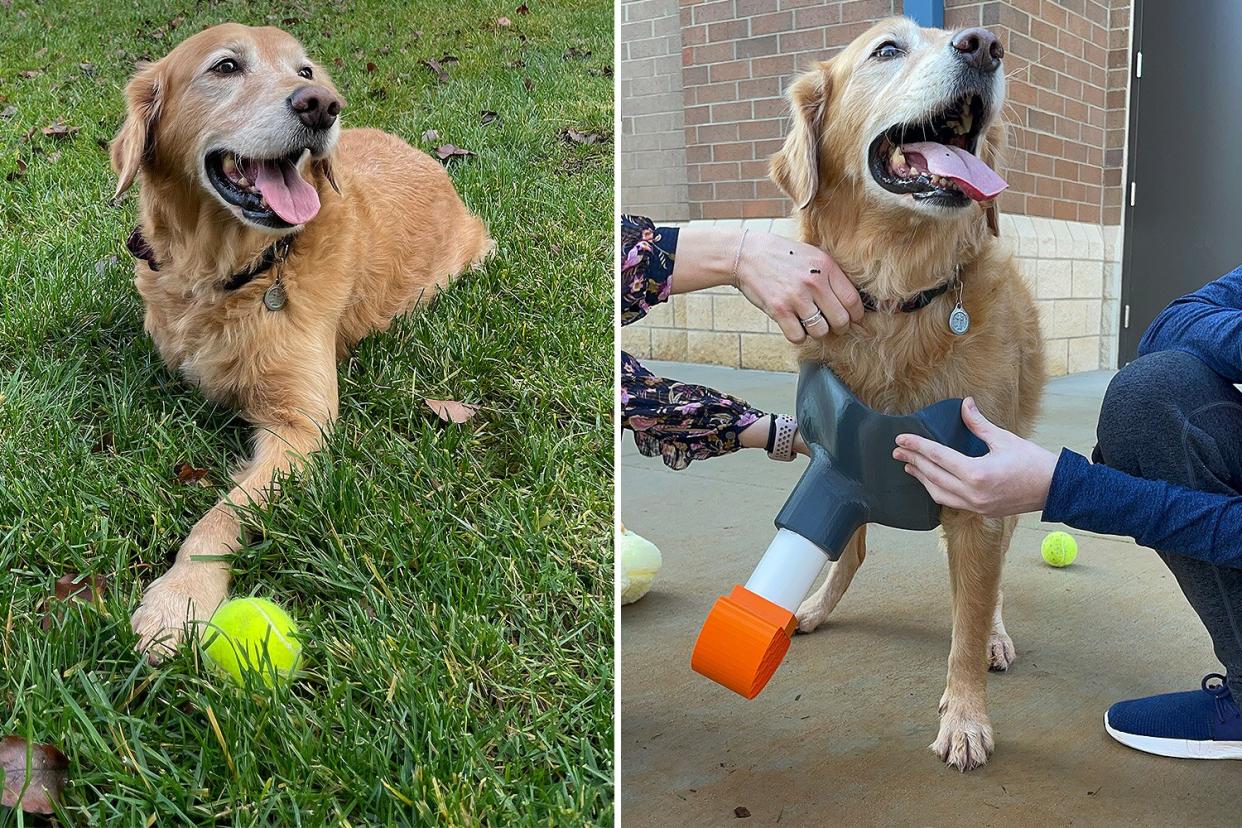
{"x": 743, "y": 641}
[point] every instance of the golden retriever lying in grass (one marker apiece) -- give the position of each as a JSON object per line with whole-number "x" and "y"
{"x": 271, "y": 241}
{"x": 889, "y": 160}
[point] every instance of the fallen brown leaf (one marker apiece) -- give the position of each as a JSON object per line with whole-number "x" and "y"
{"x": 74, "y": 587}
{"x": 522, "y": 9}
{"x": 528, "y": 83}
{"x": 431, "y": 136}
{"x": 336, "y": 61}
{"x": 59, "y": 129}
{"x": 447, "y": 151}
{"x": 188, "y": 475}
{"x": 487, "y": 116}
{"x": 436, "y": 69}
{"x": 436, "y": 65}
{"x": 371, "y": 67}
{"x": 504, "y": 22}
{"x": 452, "y": 411}
{"x": 36, "y": 786}
{"x": 741, "y": 812}
{"x": 574, "y": 53}
{"x": 17, "y": 172}
{"x": 575, "y": 137}
{"x": 30, "y": 73}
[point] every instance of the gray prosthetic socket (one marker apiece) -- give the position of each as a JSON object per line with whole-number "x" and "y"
{"x": 853, "y": 479}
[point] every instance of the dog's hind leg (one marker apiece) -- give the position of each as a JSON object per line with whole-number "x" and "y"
{"x": 816, "y": 609}
{"x": 288, "y": 432}
{"x": 976, "y": 554}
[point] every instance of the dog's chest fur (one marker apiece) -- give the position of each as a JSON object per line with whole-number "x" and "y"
{"x": 226, "y": 342}
{"x": 899, "y": 363}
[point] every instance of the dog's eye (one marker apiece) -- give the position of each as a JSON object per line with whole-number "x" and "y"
{"x": 887, "y": 51}
{"x": 306, "y": 72}
{"x": 226, "y": 67}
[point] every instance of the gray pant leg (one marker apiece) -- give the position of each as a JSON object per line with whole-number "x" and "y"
{"x": 1167, "y": 416}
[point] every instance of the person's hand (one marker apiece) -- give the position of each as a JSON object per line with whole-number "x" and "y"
{"x": 791, "y": 282}
{"x": 1012, "y": 478}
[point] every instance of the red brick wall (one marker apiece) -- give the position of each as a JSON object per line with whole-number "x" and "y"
{"x": 1066, "y": 61}
{"x": 737, "y": 56}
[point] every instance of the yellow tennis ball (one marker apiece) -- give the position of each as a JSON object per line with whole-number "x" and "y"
{"x": 1059, "y": 549}
{"x": 252, "y": 635}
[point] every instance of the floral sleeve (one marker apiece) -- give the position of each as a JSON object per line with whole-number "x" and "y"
{"x": 675, "y": 421}
{"x": 647, "y": 256}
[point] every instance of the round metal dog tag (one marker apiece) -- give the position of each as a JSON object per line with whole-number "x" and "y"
{"x": 959, "y": 320}
{"x": 274, "y": 299}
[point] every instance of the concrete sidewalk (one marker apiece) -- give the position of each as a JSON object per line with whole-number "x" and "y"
{"x": 839, "y": 737}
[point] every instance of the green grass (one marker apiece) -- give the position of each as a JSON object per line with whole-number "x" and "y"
{"x": 453, "y": 582}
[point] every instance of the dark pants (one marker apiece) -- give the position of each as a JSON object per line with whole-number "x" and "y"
{"x": 1167, "y": 416}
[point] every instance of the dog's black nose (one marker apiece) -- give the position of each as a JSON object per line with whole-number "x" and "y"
{"x": 979, "y": 48}
{"x": 315, "y": 106}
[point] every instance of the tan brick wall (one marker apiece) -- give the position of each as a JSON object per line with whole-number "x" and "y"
{"x": 653, "y": 159}
{"x": 1069, "y": 265}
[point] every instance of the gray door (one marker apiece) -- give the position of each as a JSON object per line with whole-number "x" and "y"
{"x": 1185, "y": 226}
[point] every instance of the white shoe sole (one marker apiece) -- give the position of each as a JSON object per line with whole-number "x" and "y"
{"x": 1176, "y": 748}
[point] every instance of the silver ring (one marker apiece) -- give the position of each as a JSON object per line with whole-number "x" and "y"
{"x": 818, "y": 316}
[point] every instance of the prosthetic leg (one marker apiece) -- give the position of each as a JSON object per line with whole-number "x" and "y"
{"x": 852, "y": 480}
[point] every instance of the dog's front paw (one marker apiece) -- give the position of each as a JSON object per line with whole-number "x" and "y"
{"x": 964, "y": 742}
{"x": 172, "y": 603}
{"x": 810, "y": 615}
{"x": 1000, "y": 651}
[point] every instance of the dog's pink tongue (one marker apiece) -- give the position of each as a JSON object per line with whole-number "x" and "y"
{"x": 975, "y": 178}
{"x": 289, "y": 194}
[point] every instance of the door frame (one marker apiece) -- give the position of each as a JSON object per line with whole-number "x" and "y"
{"x": 1126, "y": 336}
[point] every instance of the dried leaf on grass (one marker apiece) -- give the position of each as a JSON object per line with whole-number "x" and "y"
{"x": 575, "y": 137}
{"x": 34, "y": 775}
{"x": 59, "y": 129}
{"x": 446, "y": 151}
{"x": 72, "y": 587}
{"x": 452, "y": 411}
{"x": 188, "y": 474}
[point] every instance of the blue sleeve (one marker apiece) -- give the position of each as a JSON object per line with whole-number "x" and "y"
{"x": 1156, "y": 514}
{"x": 1206, "y": 324}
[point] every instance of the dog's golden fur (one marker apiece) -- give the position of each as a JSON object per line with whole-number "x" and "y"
{"x": 900, "y": 362}
{"x": 388, "y": 239}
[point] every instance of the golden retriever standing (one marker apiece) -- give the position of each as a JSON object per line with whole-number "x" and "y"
{"x": 889, "y": 159}
{"x": 270, "y": 242}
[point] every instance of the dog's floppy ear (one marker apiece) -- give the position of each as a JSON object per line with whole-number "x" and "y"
{"x": 795, "y": 168}
{"x": 136, "y": 136}
{"x": 992, "y": 152}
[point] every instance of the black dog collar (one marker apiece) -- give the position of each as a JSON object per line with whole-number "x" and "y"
{"x": 272, "y": 255}
{"x": 916, "y": 302}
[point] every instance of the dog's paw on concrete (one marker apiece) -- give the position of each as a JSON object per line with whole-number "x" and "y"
{"x": 810, "y": 617}
{"x": 1001, "y": 653}
{"x": 964, "y": 742}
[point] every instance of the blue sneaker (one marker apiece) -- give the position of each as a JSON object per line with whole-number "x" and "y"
{"x": 1198, "y": 724}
